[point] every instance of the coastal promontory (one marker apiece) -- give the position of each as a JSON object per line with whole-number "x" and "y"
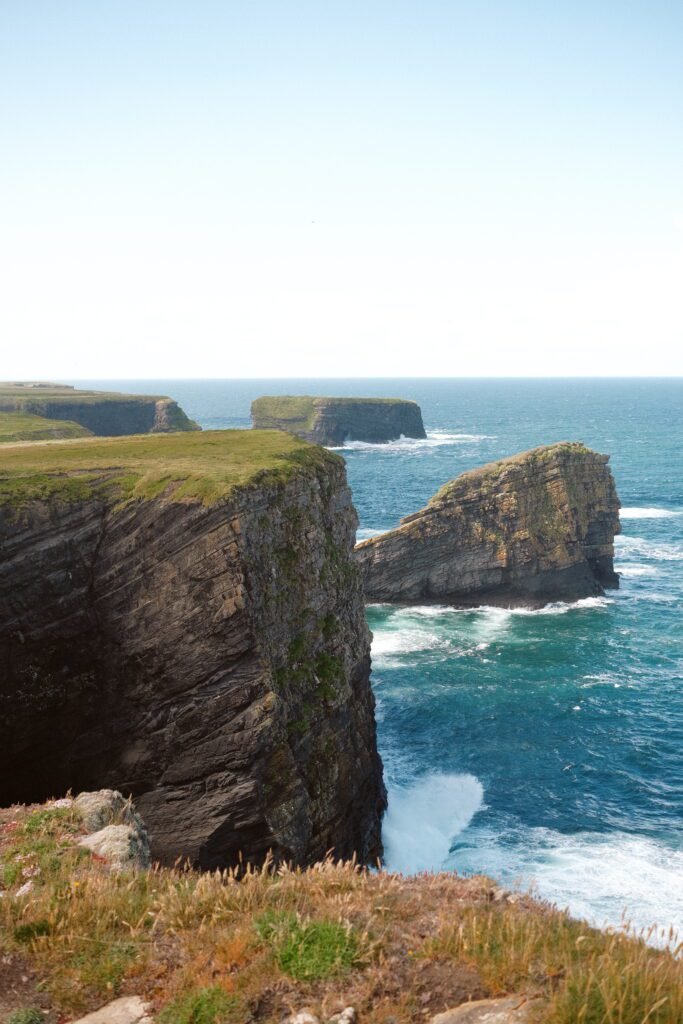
{"x": 35, "y": 411}
{"x": 533, "y": 528}
{"x": 336, "y": 421}
{"x": 181, "y": 620}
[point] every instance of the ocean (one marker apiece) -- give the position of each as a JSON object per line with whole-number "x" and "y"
{"x": 544, "y": 748}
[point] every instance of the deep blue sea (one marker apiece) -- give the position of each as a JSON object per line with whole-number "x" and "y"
{"x": 544, "y": 748}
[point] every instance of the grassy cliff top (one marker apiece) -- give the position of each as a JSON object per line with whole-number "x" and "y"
{"x": 298, "y": 411}
{"x": 254, "y": 946}
{"x": 14, "y": 395}
{"x": 489, "y": 473}
{"x": 203, "y": 466}
{"x": 20, "y": 426}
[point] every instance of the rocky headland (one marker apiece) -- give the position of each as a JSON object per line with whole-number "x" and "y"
{"x": 334, "y": 421}
{"x": 34, "y": 411}
{"x": 181, "y": 620}
{"x": 533, "y": 528}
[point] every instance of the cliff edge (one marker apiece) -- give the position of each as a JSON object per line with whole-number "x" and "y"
{"x": 180, "y": 619}
{"x": 335, "y": 421}
{"x": 529, "y": 529}
{"x": 106, "y": 414}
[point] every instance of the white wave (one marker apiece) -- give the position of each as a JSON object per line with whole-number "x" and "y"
{"x": 639, "y": 546}
{"x": 423, "y": 819}
{"x": 365, "y": 532}
{"x": 434, "y": 439}
{"x": 401, "y": 641}
{"x": 629, "y": 569}
{"x": 599, "y": 877}
{"x": 649, "y": 513}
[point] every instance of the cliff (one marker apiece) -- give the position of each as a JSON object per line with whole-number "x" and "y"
{"x": 107, "y": 414}
{"x": 180, "y": 619}
{"x": 529, "y": 529}
{"x": 334, "y": 421}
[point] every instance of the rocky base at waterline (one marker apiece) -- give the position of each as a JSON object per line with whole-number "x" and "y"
{"x": 335, "y": 421}
{"x": 181, "y": 620}
{"x": 533, "y": 528}
{"x": 34, "y": 411}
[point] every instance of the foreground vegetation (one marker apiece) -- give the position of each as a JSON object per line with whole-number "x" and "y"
{"x": 204, "y": 465}
{"x": 223, "y": 949}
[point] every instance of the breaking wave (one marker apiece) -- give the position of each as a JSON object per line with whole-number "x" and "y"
{"x": 649, "y": 513}
{"x": 423, "y": 819}
{"x": 434, "y": 439}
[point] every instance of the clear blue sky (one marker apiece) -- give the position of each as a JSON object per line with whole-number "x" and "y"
{"x": 232, "y": 188}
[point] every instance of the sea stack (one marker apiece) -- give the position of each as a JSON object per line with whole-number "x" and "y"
{"x": 335, "y": 421}
{"x": 530, "y": 529}
{"x": 181, "y": 620}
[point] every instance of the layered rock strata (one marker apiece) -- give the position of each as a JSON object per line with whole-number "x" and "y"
{"x": 527, "y": 530}
{"x": 335, "y": 421}
{"x": 102, "y": 413}
{"x": 211, "y": 659}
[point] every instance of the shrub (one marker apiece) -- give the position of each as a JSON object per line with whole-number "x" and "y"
{"x": 210, "y": 1005}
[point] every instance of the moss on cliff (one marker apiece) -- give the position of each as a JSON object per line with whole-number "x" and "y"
{"x": 204, "y": 466}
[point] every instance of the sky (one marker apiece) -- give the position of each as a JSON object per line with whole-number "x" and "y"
{"x": 223, "y": 188}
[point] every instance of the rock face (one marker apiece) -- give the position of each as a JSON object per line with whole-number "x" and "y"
{"x": 212, "y": 660}
{"x": 334, "y": 421}
{"x": 102, "y": 413}
{"x": 530, "y": 529}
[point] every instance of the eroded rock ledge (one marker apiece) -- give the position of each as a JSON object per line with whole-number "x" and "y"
{"x": 529, "y": 529}
{"x": 181, "y": 620}
{"x": 333, "y": 421}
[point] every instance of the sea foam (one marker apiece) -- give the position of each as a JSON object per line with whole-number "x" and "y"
{"x": 649, "y": 513}
{"x": 423, "y": 819}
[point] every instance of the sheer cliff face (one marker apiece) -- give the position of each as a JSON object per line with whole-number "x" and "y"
{"x": 211, "y": 660}
{"x": 534, "y": 528}
{"x": 333, "y": 421}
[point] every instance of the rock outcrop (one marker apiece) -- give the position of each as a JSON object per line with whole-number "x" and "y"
{"x": 202, "y": 647}
{"x": 106, "y": 414}
{"x": 335, "y": 421}
{"x": 527, "y": 530}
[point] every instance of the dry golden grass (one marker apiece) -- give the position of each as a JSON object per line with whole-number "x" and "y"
{"x": 227, "y": 948}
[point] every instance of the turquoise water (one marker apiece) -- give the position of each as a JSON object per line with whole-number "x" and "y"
{"x": 546, "y": 747}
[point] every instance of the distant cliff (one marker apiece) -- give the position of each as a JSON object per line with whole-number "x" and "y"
{"x": 180, "y": 619}
{"x": 333, "y": 421}
{"x": 530, "y": 529}
{"x": 107, "y": 414}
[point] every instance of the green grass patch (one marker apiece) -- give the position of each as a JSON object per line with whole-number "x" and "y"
{"x": 29, "y": 1015}
{"x": 17, "y": 426}
{"x": 208, "y": 1005}
{"x": 194, "y": 466}
{"x": 309, "y": 950}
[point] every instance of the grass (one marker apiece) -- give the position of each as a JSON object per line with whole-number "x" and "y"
{"x": 18, "y": 426}
{"x": 204, "y": 466}
{"x": 254, "y": 945}
{"x": 14, "y": 395}
{"x": 309, "y": 950}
